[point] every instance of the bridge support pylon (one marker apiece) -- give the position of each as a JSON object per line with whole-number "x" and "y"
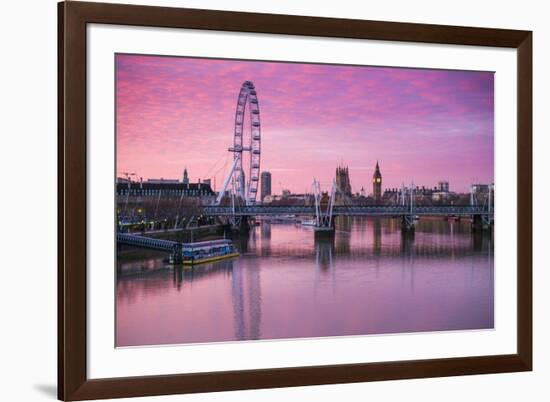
{"x": 481, "y": 223}
{"x": 241, "y": 225}
{"x": 407, "y": 223}
{"x": 324, "y": 231}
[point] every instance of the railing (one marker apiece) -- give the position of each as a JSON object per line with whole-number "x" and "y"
{"x": 264, "y": 210}
{"x": 166, "y": 245}
{"x": 146, "y": 242}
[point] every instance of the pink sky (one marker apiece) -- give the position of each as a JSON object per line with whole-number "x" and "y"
{"x": 421, "y": 125}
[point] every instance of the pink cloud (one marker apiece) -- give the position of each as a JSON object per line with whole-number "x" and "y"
{"x": 175, "y": 112}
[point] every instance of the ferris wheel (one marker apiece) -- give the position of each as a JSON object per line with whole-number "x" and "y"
{"x": 246, "y": 139}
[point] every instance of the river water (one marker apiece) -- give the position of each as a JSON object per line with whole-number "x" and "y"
{"x": 367, "y": 279}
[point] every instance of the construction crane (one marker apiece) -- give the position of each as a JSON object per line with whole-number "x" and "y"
{"x": 128, "y": 178}
{"x": 128, "y": 175}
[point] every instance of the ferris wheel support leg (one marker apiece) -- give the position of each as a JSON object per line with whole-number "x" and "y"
{"x": 226, "y": 181}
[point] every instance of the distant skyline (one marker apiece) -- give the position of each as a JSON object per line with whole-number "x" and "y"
{"x": 422, "y": 125}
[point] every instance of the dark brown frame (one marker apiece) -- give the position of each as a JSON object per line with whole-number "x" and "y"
{"x": 73, "y": 383}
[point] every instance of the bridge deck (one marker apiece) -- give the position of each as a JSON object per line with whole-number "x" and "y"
{"x": 388, "y": 211}
{"x": 132, "y": 239}
{"x": 146, "y": 242}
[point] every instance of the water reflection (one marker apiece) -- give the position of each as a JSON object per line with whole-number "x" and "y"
{"x": 324, "y": 248}
{"x": 370, "y": 278}
{"x": 246, "y": 297}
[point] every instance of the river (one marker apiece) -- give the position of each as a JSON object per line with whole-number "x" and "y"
{"x": 367, "y": 279}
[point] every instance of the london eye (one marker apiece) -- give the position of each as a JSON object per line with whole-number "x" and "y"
{"x": 245, "y": 171}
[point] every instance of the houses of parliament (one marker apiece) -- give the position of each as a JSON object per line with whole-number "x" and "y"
{"x": 343, "y": 182}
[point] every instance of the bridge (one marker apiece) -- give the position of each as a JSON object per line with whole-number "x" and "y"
{"x": 482, "y": 217}
{"x": 325, "y": 208}
{"x": 147, "y": 242}
{"x": 375, "y": 211}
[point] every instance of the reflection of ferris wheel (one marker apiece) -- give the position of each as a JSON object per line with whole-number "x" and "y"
{"x": 245, "y": 184}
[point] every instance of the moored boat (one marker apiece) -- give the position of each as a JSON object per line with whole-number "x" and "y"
{"x": 208, "y": 251}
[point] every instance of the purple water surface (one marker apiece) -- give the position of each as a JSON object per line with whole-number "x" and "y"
{"x": 369, "y": 279}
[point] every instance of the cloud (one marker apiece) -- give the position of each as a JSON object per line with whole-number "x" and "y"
{"x": 176, "y": 111}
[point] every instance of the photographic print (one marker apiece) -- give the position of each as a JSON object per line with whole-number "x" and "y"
{"x": 261, "y": 200}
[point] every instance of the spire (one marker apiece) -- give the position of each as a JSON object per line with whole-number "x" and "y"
{"x": 185, "y": 176}
{"x": 377, "y": 171}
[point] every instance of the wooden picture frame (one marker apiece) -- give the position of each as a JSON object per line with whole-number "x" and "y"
{"x": 73, "y": 383}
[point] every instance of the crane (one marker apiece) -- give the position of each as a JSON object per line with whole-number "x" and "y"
{"x": 128, "y": 178}
{"x": 128, "y": 175}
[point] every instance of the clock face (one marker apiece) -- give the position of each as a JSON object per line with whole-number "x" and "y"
{"x": 378, "y": 180}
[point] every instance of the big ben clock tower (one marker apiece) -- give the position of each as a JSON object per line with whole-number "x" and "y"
{"x": 377, "y": 183}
